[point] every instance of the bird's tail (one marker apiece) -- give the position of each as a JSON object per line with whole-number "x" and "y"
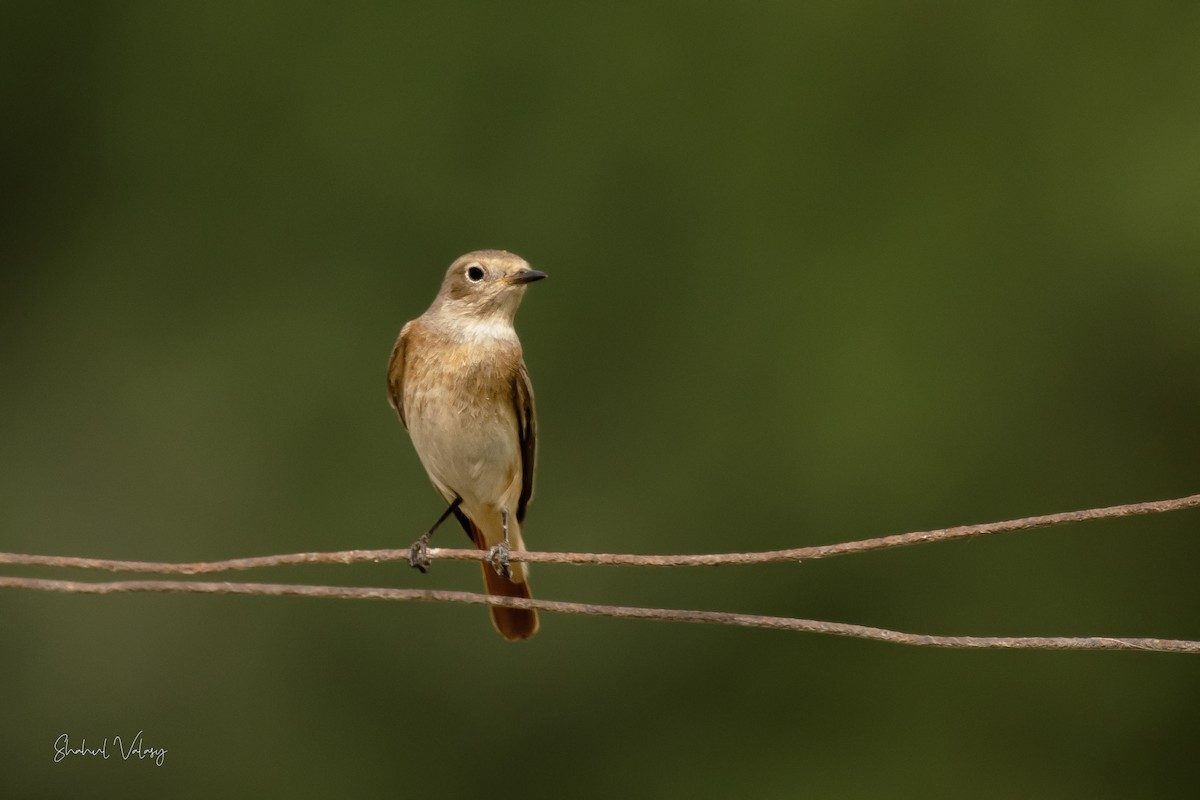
{"x": 513, "y": 624}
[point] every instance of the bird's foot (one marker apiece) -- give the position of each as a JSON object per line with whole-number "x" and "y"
{"x": 498, "y": 558}
{"x": 418, "y": 554}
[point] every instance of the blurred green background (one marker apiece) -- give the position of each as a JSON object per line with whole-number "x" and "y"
{"x": 819, "y": 271}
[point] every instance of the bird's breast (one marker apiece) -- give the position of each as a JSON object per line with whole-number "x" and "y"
{"x": 459, "y": 408}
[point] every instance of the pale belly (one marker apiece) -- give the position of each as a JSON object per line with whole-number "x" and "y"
{"x": 469, "y": 448}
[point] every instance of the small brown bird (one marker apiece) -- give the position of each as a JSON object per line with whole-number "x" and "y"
{"x": 459, "y": 383}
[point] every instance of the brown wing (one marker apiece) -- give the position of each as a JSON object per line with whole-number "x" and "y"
{"x": 396, "y": 374}
{"x": 527, "y": 432}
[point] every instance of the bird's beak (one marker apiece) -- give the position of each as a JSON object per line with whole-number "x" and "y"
{"x": 527, "y": 276}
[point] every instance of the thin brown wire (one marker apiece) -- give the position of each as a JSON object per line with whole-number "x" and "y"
{"x": 615, "y": 559}
{"x": 622, "y": 612}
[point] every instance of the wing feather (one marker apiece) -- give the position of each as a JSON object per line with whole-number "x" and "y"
{"x": 396, "y": 373}
{"x": 527, "y": 431}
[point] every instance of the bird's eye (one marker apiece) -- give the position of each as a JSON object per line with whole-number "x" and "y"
{"x": 475, "y": 273}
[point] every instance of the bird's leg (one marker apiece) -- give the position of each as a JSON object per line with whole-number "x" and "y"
{"x": 418, "y": 554}
{"x": 498, "y": 555}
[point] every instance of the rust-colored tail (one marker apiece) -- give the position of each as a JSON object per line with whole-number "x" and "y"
{"x": 513, "y": 623}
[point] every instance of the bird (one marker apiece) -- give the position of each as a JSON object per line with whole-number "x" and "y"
{"x": 458, "y": 381}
